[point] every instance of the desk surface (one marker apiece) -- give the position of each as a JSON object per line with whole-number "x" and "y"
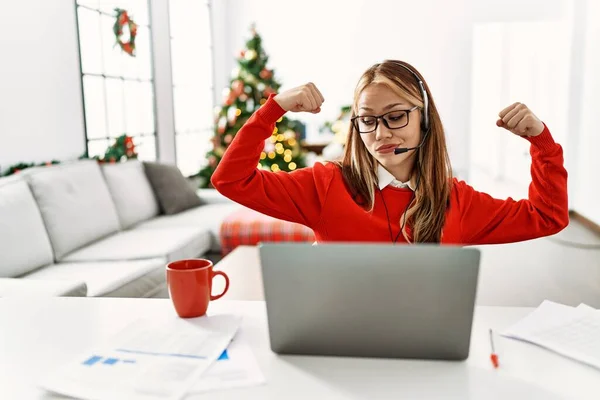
{"x": 242, "y": 265}
{"x": 37, "y": 335}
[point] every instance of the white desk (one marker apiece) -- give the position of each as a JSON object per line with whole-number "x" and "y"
{"x": 37, "y": 335}
{"x": 514, "y": 275}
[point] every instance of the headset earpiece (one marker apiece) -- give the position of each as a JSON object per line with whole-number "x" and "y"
{"x": 425, "y": 119}
{"x": 425, "y": 112}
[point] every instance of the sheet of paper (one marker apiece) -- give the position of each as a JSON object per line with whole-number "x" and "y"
{"x": 236, "y": 367}
{"x": 572, "y": 332}
{"x": 546, "y": 316}
{"x": 586, "y": 307}
{"x": 147, "y": 360}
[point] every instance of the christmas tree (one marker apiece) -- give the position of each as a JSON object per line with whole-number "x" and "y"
{"x": 251, "y": 84}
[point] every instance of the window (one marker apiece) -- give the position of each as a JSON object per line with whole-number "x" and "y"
{"x": 118, "y": 90}
{"x": 192, "y": 68}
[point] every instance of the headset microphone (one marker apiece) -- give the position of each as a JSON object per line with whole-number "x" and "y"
{"x": 401, "y": 150}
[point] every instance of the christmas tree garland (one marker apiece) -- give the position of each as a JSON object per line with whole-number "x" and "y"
{"x": 123, "y": 19}
{"x": 122, "y": 149}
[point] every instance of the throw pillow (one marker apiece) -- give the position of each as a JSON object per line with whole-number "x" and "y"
{"x": 171, "y": 188}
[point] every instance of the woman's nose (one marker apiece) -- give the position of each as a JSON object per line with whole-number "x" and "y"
{"x": 381, "y": 132}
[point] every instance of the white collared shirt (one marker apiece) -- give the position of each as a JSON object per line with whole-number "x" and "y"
{"x": 385, "y": 178}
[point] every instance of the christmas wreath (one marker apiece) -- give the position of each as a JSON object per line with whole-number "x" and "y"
{"x": 121, "y": 21}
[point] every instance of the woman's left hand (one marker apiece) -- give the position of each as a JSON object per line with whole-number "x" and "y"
{"x": 519, "y": 119}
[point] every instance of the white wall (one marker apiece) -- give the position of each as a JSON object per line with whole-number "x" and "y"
{"x": 516, "y": 61}
{"x": 332, "y": 42}
{"x": 334, "y": 45}
{"x": 547, "y": 58}
{"x": 41, "y": 115}
{"x": 40, "y": 86}
{"x": 586, "y": 185}
{"x": 550, "y": 60}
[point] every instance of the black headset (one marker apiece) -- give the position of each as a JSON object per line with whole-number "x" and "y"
{"x": 425, "y": 113}
{"x": 424, "y": 128}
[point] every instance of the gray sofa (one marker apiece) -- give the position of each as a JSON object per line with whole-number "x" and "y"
{"x": 84, "y": 229}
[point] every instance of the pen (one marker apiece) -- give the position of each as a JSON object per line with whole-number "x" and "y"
{"x": 494, "y": 356}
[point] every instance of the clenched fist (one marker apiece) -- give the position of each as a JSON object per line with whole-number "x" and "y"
{"x": 302, "y": 98}
{"x": 519, "y": 119}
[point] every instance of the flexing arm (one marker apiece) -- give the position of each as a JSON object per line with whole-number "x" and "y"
{"x": 296, "y": 196}
{"x": 486, "y": 220}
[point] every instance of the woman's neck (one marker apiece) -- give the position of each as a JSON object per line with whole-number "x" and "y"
{"x": 404, "y": 171}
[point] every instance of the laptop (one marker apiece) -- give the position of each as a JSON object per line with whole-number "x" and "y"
{"x": 370, "y": 300}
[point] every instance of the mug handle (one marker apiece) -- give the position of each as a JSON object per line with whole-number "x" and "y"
{"x": 224, "y": 275}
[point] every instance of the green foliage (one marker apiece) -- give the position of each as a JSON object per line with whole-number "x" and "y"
{"x": 121, "y": 150}
{"x": 250, "y": 86}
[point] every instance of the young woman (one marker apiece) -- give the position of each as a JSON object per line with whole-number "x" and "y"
{"x": 394, "y": 183}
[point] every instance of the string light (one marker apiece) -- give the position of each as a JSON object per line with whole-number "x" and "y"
{"x": 292, "y": 142}
{"x": 289, "y": 134}
{"x": 287, "y": 152}
{"x": 271, "y": 154}
{"x": 263, "y": 155}
{"x": 273, "y": 139}
{"x": 292, "y": 166}
{"x": 238, "y": 112}
{"x": 263, "y": 101}
{"x": 280, "y": 138}
{"x": 279, "y": 146}
{"x": 279, "y": 151}
{"x": 280, "y": 119}
{"x": 287, "y": 158}
{"x": 275, "y": 131}
{"x": 275, "y": 168}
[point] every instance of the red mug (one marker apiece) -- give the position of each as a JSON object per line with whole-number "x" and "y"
{"x": 190, "y": 286}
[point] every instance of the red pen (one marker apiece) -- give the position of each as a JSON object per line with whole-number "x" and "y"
{"x": 494, "y": 356}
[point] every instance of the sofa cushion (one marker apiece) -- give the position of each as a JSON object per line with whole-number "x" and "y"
{"x": 131, "y": 192}
{"x": 208, "y": 216}
{"x": 172, "y": 189}
{"x": 17, "y": 287}
{"x": 140, "y": 278}
{"x": 75, "y": 204}
{"x": 24, "y": 243}
{"x": 150, "y": 284}
{"x": 169, "y": 243}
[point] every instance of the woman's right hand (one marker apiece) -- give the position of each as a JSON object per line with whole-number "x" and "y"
{"x": 302, "y": 98}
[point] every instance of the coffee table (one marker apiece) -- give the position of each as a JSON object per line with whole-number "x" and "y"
{"x": 39, "y": 334}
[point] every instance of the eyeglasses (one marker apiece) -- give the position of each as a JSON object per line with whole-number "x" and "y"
{"x": 392, "y": 120}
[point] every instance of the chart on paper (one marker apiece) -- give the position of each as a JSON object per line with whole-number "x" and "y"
{"x": 146, "y": 361}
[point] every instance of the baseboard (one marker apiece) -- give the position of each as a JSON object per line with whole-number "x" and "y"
{"x": 591, "y": 225}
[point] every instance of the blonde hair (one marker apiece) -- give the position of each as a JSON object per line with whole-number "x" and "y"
{"x": 426, "y": 215}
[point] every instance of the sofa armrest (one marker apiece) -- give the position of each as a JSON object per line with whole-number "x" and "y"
{"x": 212, "y": 196}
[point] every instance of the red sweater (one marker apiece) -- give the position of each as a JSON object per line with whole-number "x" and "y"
{"x": 317, "y": 197}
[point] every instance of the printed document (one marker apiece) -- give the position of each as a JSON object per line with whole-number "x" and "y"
{"x": 147, "y": 360}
